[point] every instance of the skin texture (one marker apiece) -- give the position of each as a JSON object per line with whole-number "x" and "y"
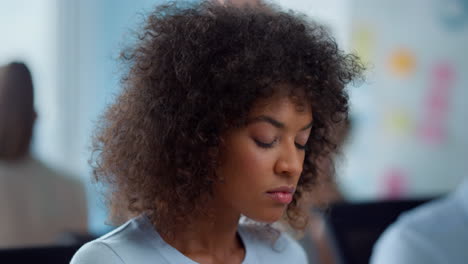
{"x": 255, "y": 158}
{"x": 262, "y": 157}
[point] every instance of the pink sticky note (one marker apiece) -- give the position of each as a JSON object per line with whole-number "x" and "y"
{"x": 436, "y": 106}
{"x": 394, "y": 184}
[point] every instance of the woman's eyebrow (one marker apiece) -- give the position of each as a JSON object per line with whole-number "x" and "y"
{"x": 270, "y": 120}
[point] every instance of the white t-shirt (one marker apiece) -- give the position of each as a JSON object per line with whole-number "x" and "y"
{"x": 138, "y": 242}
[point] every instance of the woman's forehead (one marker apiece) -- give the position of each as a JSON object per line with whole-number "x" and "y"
{"x": 279, "y": 106}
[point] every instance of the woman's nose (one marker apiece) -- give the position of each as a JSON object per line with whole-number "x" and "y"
{"x": 290, "y": 160}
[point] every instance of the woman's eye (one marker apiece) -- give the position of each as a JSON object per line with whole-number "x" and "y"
{"x": 263, "y": 144}
{"x": 299, "y": 146}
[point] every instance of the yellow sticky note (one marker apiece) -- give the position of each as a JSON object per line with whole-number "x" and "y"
{"x": 363, "y": 42}
{"x": 402, "y": 62}
{"x": 398, "y": 122}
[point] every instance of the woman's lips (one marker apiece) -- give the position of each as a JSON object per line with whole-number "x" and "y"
{"x": 282, "y": 194}
{"x": 281, "y": 197}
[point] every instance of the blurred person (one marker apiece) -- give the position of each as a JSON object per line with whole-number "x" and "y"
{"x": 433, "y": 233}
{"x": 37, "y": 204}
{"x": 224, "y": 113}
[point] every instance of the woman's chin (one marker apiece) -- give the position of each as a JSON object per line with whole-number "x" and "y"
{"x": 266, "y": 216}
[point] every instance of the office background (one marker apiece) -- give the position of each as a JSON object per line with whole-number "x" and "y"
{"x": 409, "y": 116}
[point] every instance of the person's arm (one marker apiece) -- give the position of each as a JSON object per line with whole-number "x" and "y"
{"x": 96, "y": 252}
{"x": 403, "y": 246}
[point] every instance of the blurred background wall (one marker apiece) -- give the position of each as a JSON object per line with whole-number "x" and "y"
{"x": 409, "y": 118}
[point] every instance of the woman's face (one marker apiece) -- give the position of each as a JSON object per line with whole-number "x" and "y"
{"x": 261, "y": 163}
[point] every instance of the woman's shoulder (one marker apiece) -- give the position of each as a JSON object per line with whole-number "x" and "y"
{"x": 272, "y": 245}
{"x": 132, "y": 242}
{"x": 96, "y": 252}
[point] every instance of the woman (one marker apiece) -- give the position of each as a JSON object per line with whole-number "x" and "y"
{"x": 224, "y": 113}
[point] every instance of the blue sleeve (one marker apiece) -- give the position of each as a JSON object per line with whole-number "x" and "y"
{"x": 96, "y": 252}
{"x": 403, "y": 246}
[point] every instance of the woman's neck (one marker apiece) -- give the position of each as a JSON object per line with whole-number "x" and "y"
{"x": 211, "y": 238}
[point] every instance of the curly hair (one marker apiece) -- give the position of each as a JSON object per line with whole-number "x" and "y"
{"x": 195, "y": 71}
